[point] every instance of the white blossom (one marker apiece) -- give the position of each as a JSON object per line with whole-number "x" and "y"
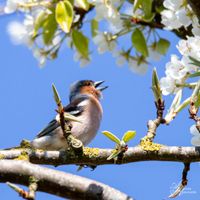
{"x": 153, "y": 54}
{"x": 167, "y": 85}
{"x": 190, "y": 47}
{"x": 120, "y": 56}
{"x": 21, "y": 32}
{"x": 29, "y": 24}
{"x": 183, "y": 18}
{"x": 176, "y": 14}
{"x": 41, "y": 57}
{"x": 178, "y": 69}
{"x": 104, "y": 42}
{"x": 108, "y": 12}
{"x": 175, "y": 68}
{"x": 172, "y": 4}
{"x": 170, "y": 20}
{"x": 195, "y": 26}
{"x": 138, "y": 67}
{"x": 56, "y": 40}
{"x": 188, "y": 65}
{"x": 11, "y": 6}
{"x": 18, "y": 32}
{"x": 79, "y": 58}
{"x": 175, "y": 72}
{"x": 196, "y": 135}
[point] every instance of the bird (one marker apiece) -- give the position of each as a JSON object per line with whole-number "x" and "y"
{"x": 84, "y": 104}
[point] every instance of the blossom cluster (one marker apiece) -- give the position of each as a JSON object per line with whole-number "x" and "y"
{"x": 177, "y": 14}
{"x": 108, "y": 13}
{"x": 23, "y": 32}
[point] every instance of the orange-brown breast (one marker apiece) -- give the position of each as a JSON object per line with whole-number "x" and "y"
{"x": 90, "y": 90}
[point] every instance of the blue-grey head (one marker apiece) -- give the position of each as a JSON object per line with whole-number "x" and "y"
{"x": 86, "y": 87}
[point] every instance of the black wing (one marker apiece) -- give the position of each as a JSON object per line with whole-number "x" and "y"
{"x": 49, "y": 128}
{"x": 72, "y": 108}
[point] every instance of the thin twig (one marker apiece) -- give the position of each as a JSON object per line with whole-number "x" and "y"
{"x": 29, "y": 195}
{"x": 66, "y": 126}
{"x": 183, "y": 183}
{"x": 147, "y": 141}
{"x": 193, "y": 114}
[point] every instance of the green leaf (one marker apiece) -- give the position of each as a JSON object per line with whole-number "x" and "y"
{"x": 196, "y": 74}
{"x": 55, "y": 94}
{"x": 176, "y": 101}
{"x": 83, "y": 4}
{"x": 69, "y": 117}
{"x": 81, "y": 43}
{"x": 111, "y": 136}
{"x": 14, "y": 187}
{"x": 194, "y": 61}
{"x": 156, "y": 86}
{"x": 49, "y": 29}
{"x": 196, "y": 90}
{"x": 128, "y": 136}
{"x": 64, "y": 15}
{"x": 197, "y": 103}
{"x": 147, "y": 8}
{"x": 149, "y": 18}
{"x": 94, "y": 27}
{"x": 196, "y": 95}
{"x": 38, "y": 23}
{"x": 139, "y": 42}
{"x": 136, "y": 4}
{"x": 114, "y": 154}
{"x": 183, "y": 105}
{"x": 162, "y": 46}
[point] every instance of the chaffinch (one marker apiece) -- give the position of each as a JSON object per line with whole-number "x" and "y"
{"x": 85, "y": 105}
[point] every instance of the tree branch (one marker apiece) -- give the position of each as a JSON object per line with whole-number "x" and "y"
{"x": 195, "y": 5}
{"x": 183, "y": 183}
{"x": 57, "y": 183}
{"x": 94, "y": 156}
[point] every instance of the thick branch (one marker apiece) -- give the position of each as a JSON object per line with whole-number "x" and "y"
{"x": 195, "y": 5}
{"x": 93, "y": 156}
{"x": 56, "y": 182}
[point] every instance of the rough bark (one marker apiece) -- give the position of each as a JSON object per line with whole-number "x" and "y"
{"x": 195, "y": 5}
{"x": 57, "y": 183}
{"x": 94, "y": 156}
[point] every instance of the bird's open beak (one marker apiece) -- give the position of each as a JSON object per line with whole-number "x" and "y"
{"x": 98, "y": 87}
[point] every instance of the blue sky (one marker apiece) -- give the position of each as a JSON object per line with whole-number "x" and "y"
{"x": 27, "y": 105}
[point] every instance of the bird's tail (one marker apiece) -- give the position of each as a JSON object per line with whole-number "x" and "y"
{"x": 23, "y": 145}
{"x": 12, "y": 148}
